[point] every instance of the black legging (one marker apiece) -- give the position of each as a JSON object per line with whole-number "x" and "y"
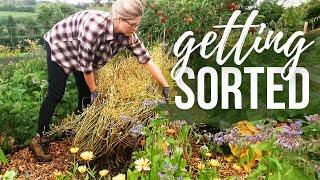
{"x": 57, "y": 79}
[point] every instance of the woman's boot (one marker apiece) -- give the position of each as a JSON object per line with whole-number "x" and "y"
{"x": 39, "y": 147}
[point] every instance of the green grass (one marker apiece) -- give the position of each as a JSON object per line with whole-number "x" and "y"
{"x": 16, "y": 14}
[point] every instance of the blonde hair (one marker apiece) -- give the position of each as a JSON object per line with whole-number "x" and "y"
{"x": 127, "y": 9}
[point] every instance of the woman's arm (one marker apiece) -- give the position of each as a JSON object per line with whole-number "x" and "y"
{"x": 156, "y": 72}
{"x": 89, "y": 77}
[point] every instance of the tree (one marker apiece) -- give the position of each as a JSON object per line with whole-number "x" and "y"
{"x": 50, "y": 14}
{"x": 292, "y": 19}
{"x": 271, "y": 10}
{"x": 11, "y": 25}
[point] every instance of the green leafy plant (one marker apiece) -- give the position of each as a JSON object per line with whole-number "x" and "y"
{"x": 22, "y": 89}
{"x": 9, "y": 175}
{"x": 3, "y": 158}
{"x": 166, "y": 153}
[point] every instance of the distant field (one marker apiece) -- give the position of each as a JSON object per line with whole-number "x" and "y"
{"x": 16, "y": 14}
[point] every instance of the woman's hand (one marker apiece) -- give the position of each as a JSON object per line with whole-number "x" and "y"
{"x": 89, "y": 78}
{"x": 156, "y": 72}
{"x": 165, "y": 93}
{"x": 94, "y": 96}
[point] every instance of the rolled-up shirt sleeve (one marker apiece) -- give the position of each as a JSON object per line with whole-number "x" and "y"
{"x": 87, "y": 47}
{"x": 138, "y": 49}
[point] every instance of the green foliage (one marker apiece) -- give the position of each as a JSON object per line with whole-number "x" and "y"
{"x": 3, "y": 158}
{"x": 156, "y": 145}
{"x": 11, "y": 25}
{"x": 15, "y": 34}
{"x": 167, "y": 153}
{"x": 281, "y": 164}
{"x": 50, "y": 14}
{"x": 273, "y": 162}
{"x": 166, "y": 21}
{"x": 313, "y": 13}
{"x": 22, "y": 89}
{"x": 271, "y": 11}
{"x": 289, "y": 24}
{"x": 26, "y": 49}
{"x": 312, "y": 130}
{"x": 277, "y": 163}
{"x": 17, "y": 26}
{"x": 9, "y": 175}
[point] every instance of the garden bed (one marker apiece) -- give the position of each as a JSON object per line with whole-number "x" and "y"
{"x": 176, "y": 149}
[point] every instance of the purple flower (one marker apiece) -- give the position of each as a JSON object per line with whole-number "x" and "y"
{"x": 137, "y": 130}
{"x": 180, "y": 178}
{"x": 292, "y": 130}
{"x": 219, "y": 138}
{"x": 312, "y": 118}
{"x": 258, "y": 138}
{"x": 289, "y": 137}
{"x": 288, "y": 143}
{"x": 297, "y": 124}
{"x": 230, "y": 136}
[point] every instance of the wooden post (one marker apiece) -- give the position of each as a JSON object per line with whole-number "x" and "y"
{"x": 305, "y": 28}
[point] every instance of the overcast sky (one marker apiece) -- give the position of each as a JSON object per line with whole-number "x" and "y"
{"x": 287, "y": 2}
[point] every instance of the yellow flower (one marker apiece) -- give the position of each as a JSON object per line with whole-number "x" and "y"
{"x": 201, "y": 166}
{"x": 142, "y": 164}
{"x": 236, "y": 167}
{"x": 207, "y": 154}
{"x": 103, "y": 172}
{"x": 87, "y": 156}
{"x": 82, "y": 169}
{"x": 229, "y": 159}
{"x": 165, "y": 145}
{"x": 57, "y": 173}
{"x": 119, "y": 177}
{"x": 74, "y": 150}
{"x": 214, "y": 163}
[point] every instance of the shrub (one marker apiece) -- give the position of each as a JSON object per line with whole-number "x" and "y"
{"x": 22, "y": 88}
{"x": 289, "y": 24}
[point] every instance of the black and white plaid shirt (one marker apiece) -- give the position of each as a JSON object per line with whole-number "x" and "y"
{"x": 85, "y": 41}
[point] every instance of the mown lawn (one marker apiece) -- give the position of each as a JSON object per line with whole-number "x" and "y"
{"x": 16, "y": 14}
